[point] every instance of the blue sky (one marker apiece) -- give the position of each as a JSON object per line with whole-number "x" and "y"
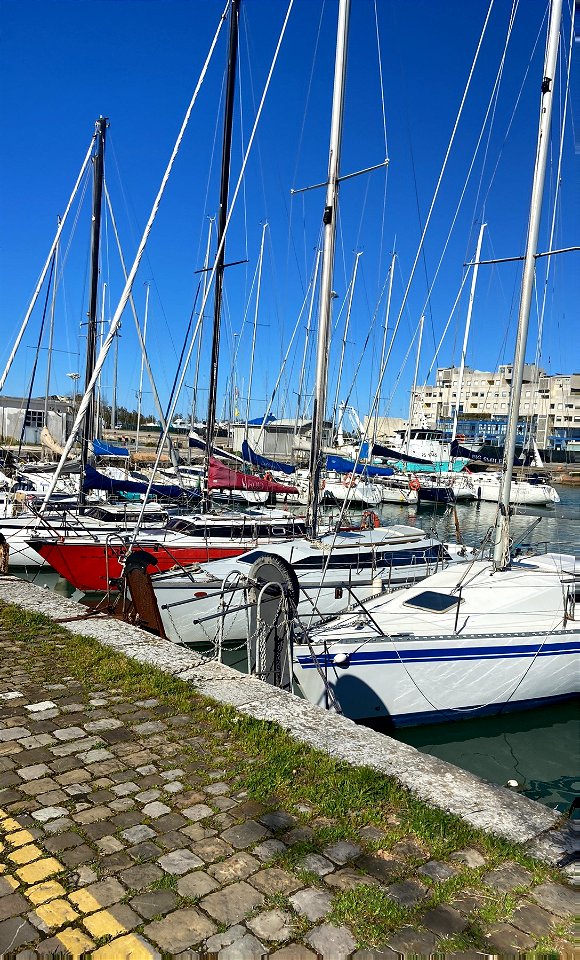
{"x": 65, "y": 62}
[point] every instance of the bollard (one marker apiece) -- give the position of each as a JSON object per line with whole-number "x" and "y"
{"x": 4, "y": 554}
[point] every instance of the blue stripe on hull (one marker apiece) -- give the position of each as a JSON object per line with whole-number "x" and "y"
{"x": 374, "y": 658}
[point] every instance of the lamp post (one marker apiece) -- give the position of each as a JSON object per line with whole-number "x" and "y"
{"x": 74, "y": 377}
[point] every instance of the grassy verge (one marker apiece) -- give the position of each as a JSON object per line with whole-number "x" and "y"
{"x": 333, "y": 798}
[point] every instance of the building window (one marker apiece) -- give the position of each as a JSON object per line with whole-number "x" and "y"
{"x": 34, "y": 418}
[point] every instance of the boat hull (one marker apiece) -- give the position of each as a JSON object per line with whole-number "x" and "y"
{"x": 426, "y": 679}
{"x": 184, "y": 605}
{"x": 91, "y": 567}
{"x": 530, "y": 494}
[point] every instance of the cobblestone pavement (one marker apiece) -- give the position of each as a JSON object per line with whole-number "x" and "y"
{"x": 121, "y": 835}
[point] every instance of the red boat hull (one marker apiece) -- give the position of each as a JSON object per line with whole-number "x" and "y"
{"x": 91, "y": 566}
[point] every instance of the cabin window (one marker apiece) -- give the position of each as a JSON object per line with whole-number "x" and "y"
{"x": 432, "y": 601}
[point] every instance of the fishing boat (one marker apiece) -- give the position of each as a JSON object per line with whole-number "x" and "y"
{"x": 499, "y": 633}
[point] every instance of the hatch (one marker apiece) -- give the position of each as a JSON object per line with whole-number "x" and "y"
{"x": 433, "y": 602}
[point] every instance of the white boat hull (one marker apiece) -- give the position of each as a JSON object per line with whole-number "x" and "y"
{"x": 356, "y": 492}
{"x": 399, "y": 495}
{"x": 487, "y": 488}
{"x": 503, "y": 639}
{"x": 432, "y": 679}
{"x": 197, "y": 605}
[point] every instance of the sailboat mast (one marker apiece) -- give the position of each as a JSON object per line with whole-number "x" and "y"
{"x": 51, "y": 334}
{"x": 329, "y": 221}
{"x": 140, "y": 394}
{"x": 98, "y": 176}
{"x": 466, "y": 332}
{"x": 384, "y": 343}
{"x": 254, "y": 331}
{"x": 194, "y": 413}
{"x": 414, "y": 387}
{"x": 501, "y": 557}
{"x": 222, "y": 220}
{"x": 344, "y": 339}
{"x": 299, "y": 411}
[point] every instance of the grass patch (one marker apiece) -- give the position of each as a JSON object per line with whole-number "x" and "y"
{"x": 370, "y": 914}
{"x": 459, "y": 942}
{"x": 498, "y": 907}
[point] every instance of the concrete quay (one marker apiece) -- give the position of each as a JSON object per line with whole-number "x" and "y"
{"x": 127, "y": 830}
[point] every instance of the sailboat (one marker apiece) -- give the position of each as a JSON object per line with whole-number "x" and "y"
{"x": 331, "y": 570}
{"x": 494, "y": 635}
{"x": 91, "y": 562}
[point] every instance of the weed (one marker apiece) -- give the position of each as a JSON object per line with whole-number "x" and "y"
{"x": 369, "y": 913}
{"x": 167, "y": 882}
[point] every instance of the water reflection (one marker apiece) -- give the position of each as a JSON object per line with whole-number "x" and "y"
{"x": 539, "y": 748}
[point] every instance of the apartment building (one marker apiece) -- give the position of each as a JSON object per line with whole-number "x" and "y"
{"x": 550, "y": 403}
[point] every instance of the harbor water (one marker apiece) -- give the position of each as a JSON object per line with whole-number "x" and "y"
{"x": 538, "y": 749}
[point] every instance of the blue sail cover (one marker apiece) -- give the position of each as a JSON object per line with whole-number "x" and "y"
{"x": 341, "y": 465}
{"x": 250, "y": 456}
{"x": 102, "y": 449}
{"x": 98, "y": 481}
{"x": 260, "y": 420}
{"x": 457, "y": 450}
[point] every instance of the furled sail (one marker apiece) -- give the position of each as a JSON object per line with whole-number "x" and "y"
{"x": 94, "y": 480}
{"x": 342, "y": 465}
{"x": 47, "y": 440}
{"x": 198, "y": 443}
{"x": 250, "y": 456}
{"x": 222, "y": 477}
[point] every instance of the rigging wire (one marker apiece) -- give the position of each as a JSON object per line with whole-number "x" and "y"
{"x": 438, "y": 185}
{"x": 130, "y": 280}
{"x": 384, "y": 119}
{"x": 492, "y": 102}
{"x": 566, "y": 96}
{"x": 304, "y": 274}
{"x": 45, "y": 268}
{"x": 34, "y": 365}
{"x": 218, "y": 252}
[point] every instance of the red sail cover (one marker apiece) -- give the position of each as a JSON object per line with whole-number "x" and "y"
{"x": 222, "y": 478}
